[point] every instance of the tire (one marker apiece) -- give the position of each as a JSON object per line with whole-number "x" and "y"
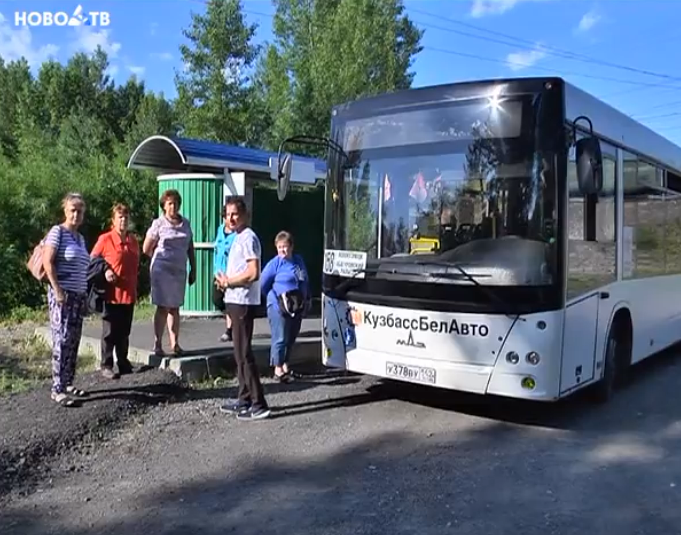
{"x": 616, "y": 361}
{"x": 605, "y": 389}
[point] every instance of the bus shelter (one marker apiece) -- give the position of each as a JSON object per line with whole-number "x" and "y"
{"x": 205, "y": 173}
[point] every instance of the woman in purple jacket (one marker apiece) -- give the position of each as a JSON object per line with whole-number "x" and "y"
{"x": 285, "y": 283}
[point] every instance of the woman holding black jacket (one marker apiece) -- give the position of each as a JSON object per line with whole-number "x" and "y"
{"x": 120, "y": 250}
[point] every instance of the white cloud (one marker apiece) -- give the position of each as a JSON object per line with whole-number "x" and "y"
{"x": 588, "y": 21}
{"x": 87, "y": 40}
{"x": 16, "y": 43}
{"x": 152, "y": 28}
{"x": 525, "y": 59}
{"x": 482, "y": 8}
{"x": 163, "y": 56}
{"x": 136, "y": 69}
{"x": 112, "y": 70}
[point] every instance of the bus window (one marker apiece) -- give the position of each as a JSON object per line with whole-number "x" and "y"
{"x": 645, "y": 218}
{"x": 592, "y": 260}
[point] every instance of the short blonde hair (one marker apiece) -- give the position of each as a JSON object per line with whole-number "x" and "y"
{"x": 284, "y": 236}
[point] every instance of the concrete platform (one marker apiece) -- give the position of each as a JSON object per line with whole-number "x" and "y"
{"x": 205, "y": 355}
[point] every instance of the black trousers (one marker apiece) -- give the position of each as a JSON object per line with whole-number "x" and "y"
{"x": 116, "y": 326}
{"x": 250, "y": 387}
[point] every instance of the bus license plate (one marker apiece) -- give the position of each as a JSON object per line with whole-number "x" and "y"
{"x": 412, "y": 373}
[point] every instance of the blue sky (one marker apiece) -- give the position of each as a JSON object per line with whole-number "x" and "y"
{"x": 464, "y": 39}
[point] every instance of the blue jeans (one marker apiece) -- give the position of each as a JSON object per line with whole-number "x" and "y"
{"x": 284, "y": 331}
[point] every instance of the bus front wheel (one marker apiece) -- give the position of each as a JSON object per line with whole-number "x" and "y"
{"x": 616, "y": 361}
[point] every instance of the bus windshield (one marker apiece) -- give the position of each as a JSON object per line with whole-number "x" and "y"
{"x": 471, "y": 185}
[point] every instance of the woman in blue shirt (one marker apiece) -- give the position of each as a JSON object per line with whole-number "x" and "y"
{"x": 285, "y": 283}
{"x": 223, "y": 243}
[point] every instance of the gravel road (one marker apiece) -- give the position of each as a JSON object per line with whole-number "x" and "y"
{"x": 354, "y": 455}
{"x": 34, "y": 430}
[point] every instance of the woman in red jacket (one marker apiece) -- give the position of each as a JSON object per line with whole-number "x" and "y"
{"x": 120, "y": 250}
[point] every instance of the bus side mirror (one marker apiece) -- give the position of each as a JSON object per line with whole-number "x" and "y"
{"x": 284, "y": 167}
{"x": 589, "y": 165}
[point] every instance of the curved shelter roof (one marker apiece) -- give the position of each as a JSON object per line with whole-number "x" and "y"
{"x": 176, "y": 155}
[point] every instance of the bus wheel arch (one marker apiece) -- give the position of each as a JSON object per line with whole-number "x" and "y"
{"x": 617, "y": 355}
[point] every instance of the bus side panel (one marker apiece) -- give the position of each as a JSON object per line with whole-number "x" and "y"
{"x": 579, "y": 342}
{"x": 655, "y": 307}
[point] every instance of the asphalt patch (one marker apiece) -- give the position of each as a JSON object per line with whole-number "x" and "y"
{"x": 34, "y": 429}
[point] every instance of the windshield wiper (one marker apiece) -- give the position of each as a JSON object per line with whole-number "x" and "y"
{"x": 472, "y": 279}
{"x": 458, "y": 267}
{"x": 344, "y": 286}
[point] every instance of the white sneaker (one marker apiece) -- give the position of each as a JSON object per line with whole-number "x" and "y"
{"x": 249, "y": 415}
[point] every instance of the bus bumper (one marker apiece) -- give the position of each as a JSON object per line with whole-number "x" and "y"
{"x": 462, "y": 377}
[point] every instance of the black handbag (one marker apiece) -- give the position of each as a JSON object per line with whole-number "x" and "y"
{"x": 291, "y": 303}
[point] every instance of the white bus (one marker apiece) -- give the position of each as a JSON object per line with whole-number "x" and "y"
{"x": 513, "y": 237}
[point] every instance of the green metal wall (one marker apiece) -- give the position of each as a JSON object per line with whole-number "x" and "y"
{"x": 202, "y": 205}
{"x": 302, "y": 214}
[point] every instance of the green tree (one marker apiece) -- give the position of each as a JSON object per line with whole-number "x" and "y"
{"x": 154, "y": 116}
{"x": 16, "y": 83}
{"x": 214, "y": 93}
{"x": 326, "y": 52}
{"x": 68, "y": 128}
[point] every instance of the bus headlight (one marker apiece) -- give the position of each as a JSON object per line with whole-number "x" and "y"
{"x": 512, "y": 357}
{"x": 533, "y": 358}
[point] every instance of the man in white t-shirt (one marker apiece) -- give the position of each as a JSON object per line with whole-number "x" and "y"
{"x": 242, "y": 296}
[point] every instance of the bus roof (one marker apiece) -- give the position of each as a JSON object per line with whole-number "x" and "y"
{"x": 619, "y": 129}
{"x": 437, "y": 93}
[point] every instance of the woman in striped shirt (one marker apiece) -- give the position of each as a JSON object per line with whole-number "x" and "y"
{"x": 66, "y": 262}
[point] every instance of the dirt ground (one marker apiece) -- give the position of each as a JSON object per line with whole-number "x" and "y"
{"x": 354, "y": 455}
{"x": 35, "y": 431}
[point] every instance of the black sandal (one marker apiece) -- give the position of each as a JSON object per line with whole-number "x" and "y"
{"x": 72, "y": 390}
{"x": 63, "y": 400}
{"x": 284, "y": 377}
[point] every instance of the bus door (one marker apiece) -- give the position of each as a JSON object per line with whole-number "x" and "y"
{"x": 591, "y": 267}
